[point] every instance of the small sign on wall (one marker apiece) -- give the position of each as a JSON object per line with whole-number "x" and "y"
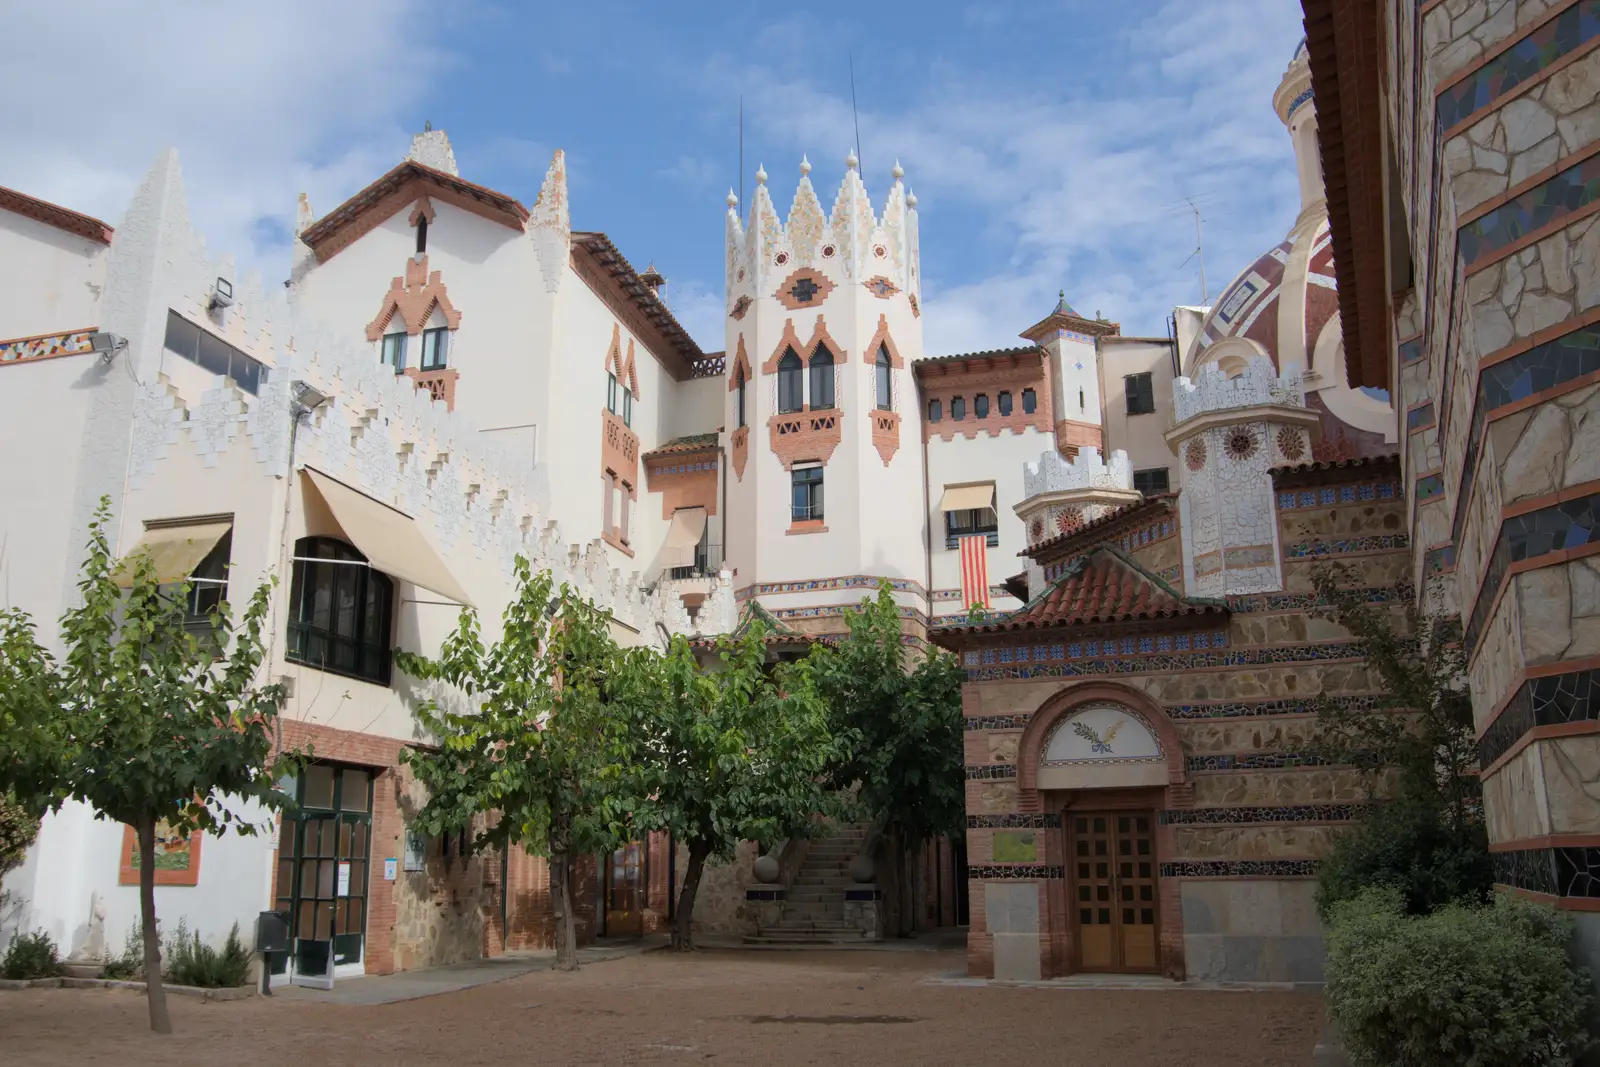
{"x": 391, "y": 867}
{"x": 416, "y": 850}
{"x": 344, "y": 878}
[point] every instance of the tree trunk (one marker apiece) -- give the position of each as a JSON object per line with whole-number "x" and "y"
{"x": 889, "y": 881}
{"x": 155, "y": 993}
{"x": 561, "y": 899}
{"x": 683, "y": 923}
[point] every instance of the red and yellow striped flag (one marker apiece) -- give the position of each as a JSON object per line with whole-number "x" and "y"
{"x": 975, "y": 571}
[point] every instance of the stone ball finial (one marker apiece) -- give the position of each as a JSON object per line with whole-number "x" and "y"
{"x": 911, "y": 199}
{"x": 850, "y": 160}
{"x": 805, "y": 166}
{"x": 766, "y": 869}
{"x": 733, "y": 198}
{"x": 898, "y": 171}
{"x": 761, "y": 174}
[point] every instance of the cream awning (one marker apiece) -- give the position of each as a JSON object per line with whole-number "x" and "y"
{"x": 174, "y": 550}
{"x": 688, "y": 526}
{"x": 391, "y": 540}
{"x": 967, "y": 497}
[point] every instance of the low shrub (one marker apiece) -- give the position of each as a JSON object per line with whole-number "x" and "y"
{"x": 129, "y": 963}
{"x": 31, "y": 956}
{"x": 192, "y": 962}
{"x": 1488, "y": 986}
{"x": 1410, "y": 845}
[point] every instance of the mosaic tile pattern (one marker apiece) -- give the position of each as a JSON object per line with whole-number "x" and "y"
{"x": 1247, "y": 816}
{"x": 1546, "y": 203}
{"x": 1413, "y": 350}
{"x": 1420, "y": 417}
{"x": 1111, "y": 646}
{"x": 1247, "y": 657}
{"x": 1042, "y": 871}
{"x": 852, "y": 581}
{"x": 1015, "y": 821}
{"x": 1239, "y": 869}
{"x": 1438, "y": 560}
{"x": 1317, "y": 548}
{"x": 1139, "y": 538}
{"x": 1560, "y": 698}
{"x": 1254, "y": 761}
{"x": 1245, "y": 605}
{"x": 61, "y": 344}
{"x": 1533, "y": 869}
{"x": 1523, "y": 60}
{"x": 1430, "y": 487}
{"x": 991, "y": 771}
{"x": 1569, "y": 524}
{"x": 1192, "y": 712}
{"x": 657, "y": 470}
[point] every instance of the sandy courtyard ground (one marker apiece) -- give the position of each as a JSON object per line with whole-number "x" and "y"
{"x": 661, "y": 1008}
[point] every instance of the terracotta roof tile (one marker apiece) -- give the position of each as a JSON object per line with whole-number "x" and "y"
{"x": 55, "y": 215}
{"x": 1093, "y": 531}
{"x": 695, "y": 442}
{"x": 619, "y": 273}
{"x": 321, "y": 235}
{"x": 1322, "y": 470}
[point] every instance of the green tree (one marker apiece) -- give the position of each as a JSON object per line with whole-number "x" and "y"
{"x": 28, "y": 745}
{"x": 900, "y": 732}
{"x": 156, "y": 723}
{"x": 1428, "y": 838}
{"x": 723, "y": 755}
{"x": 530, "y": 736}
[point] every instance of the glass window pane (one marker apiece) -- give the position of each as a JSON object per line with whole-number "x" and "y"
{"x": 980, "y": 406}
{"x": 958, "y": 408}
{"x": 286, "y": 835}
{"x": 935, "y": 411}
{"x": 319, "y": 578}
{"x": 306, "y": 922}
{"x": 214, "y": 354}
{"x": 308, "y": 878}
{"x": 611, "y": 393}
{"x": 285, "y": 883}
{"x": 183, "y": 337}
{"x": 358, "y": 915}
{"x": 1030, "y": 401}
{"x": 347, "y": 581}
{"x": 341, "y": 917}
{"x": 358, "y": 842}
{"x": 358, "y": 878}
{"x": 327, "y": 872}
{"x": 1005, "y": 403}
{"x": 344, "y": 838}
{"x": 353, "y": 797}
{"x": 318, "y": 779}
{"x": 324, "y": 921}
{"x": 247, "y": 373}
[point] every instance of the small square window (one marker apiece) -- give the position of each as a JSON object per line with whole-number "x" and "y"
{"x": 1152, "y": 482}
{"x": 1141, "y": 394}
{"x": 1005, "y": 403}
{"x": 980, "y": 406}
{"x": 435, "y": 348}
{"x": 394, "y": 351}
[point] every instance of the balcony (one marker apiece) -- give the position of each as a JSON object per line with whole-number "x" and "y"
{"x": 619, "y": 448}
{"x": 440, "y": 384}
{"x": 805, "y": 435}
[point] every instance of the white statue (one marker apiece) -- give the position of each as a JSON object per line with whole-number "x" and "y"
{"x": 93, "y": 948}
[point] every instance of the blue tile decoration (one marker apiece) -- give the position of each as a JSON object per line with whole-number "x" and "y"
{"x": 1239, "y": 869}
{"x": 1249, "y": 603}
{"x": 1312, "y": 498}
{"x": 991, "y": 771}
{"x": 1548, "y": 701}
{"x": 1420, "y": 417}
{"x": 1015, "y": 821}
{"x": 1569, "y": 524}
{"x": 868, "y": 582}
{"x": 1046, "y": 872}
{"x": 1250, "y": 816}
{"x": 1567, "y": 872}
{"x": 1548, "y": 202}
{"x": 1413, "y": 350}
{"x": 1240, "y": 709}
{"x": 1255, "y": 761}
{"x": 1159, "y": 663}
{"x": 1317, "y": 548}
{"x": 1438, "y": 560}
{"x": 1523, "y": 60}
{"x": 1430, "y": 487}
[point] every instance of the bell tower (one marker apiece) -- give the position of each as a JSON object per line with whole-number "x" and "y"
{"x": 825, "y": 492}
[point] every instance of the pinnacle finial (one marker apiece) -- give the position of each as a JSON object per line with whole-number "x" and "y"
{"x": 911, "y": 199}
{"x": 427, "y": 125}
{"x": 761, "y": 174}
{"x": 850, "y": 160}
{"x": 898, "y": 171}
{"x": 805, "y": 165}
{"x": 733, "y": 198}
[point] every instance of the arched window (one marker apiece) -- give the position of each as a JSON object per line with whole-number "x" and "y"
{"x": 791, "y": 383}
{"x": 958, "y": 408}
{"x": 738, "y": 378}
{"x": 340, "y": 611}
{"x": 980, "y": 406}
{"x": 821, "y": 379}
{"x": 935, "y": 411}
{"x": 885, "y": 379}
{"x": 1030, "y": 401}
{"x": 1005, "y": 403}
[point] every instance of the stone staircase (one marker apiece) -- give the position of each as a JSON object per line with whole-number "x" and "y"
{"x": 814, "y": 910}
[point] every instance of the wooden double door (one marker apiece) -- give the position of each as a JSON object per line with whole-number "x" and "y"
{"x": 1112, "y": 891}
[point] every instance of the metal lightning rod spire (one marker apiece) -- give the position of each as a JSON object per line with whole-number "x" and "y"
{"x": 854, "y": 115}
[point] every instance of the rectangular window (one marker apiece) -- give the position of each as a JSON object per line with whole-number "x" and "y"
{"x": 1152, "y": 481}
{"x": 340, "y": 611}
{"x": 970, "y": 523}
{"x": 213, "y": 355}
{"x": 622, "y": 504}
{"x": 608, "y": 486}
{"x": 435, "y": 348}
{"x": 394, "y": 351}
{"x": 627, "y": 406}
{"x": 1141, "y": 393}
{"x": 806, "y": 504}
{"x": 611, "y": 393}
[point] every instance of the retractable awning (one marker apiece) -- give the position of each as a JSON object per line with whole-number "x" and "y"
{"x": 391, "y": 540}
{"x": 688, "y": 526}
{"x": 174, "y": 550}
{"x": 967, "y": 497}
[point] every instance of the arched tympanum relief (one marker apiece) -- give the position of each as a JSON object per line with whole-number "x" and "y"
{"x": 1102, "y": 745}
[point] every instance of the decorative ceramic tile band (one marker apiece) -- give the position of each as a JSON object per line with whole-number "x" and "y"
{"x": 1550, "y": 201}
{"x": 1249, "y": 816}
{"x": 1345, "y": 546}
{"x": 1438, "y": 560}
{"x": 1340, "y": 494}
{"x": 990, "y": 771}
{"x": 1560, "y": 872}
{"x": 1239, "y": 869}
{"x": 1246, "y": 657}
{"x": 1255, "y": 761}
{"x": 1377, "y": 594}
{"x": 1241, "y": 709}
{"x": 1126, "y": 646}
{"x": 1420, "y": 417}
{"x": 30, "y": 348}
{"x": 1042, "y": 871}
{"x": 1551, "y": 701}
{"x": 1569, "y": 524}
{"x": 811, "y": 585}
{"x": 1479, "y": 90}
{"x": 1139, "y": 538}
{"x": 1015, "y": 821}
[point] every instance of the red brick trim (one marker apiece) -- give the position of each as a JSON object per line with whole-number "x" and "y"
{"x": 1532, "y": 181}
{"x": 791, "y": 339}
{"x": 61, "y": 218}
{"x": 1564, "y": 903}
{"x": 1071, "y": 697}
{"x": 869, "y": 354}
{"x": 885, "y": 433}
{"x": 619, "y": 451}
{"x": 741, "y": 361}
{"x": 423, "y": 210}
{"x": 1489, "y": 56}
{"x": 740, "y": 440}
{"x": 413, "y": 298}
{"x": 824, "y": 285}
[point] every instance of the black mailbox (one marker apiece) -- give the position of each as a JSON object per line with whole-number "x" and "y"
{"x": 272, "y": 932}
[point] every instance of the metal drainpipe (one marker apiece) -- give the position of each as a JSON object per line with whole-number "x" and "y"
{"x": 927, "y": 521}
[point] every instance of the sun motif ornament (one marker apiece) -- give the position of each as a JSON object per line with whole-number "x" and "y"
{"x": 1069, "y": 520}
{"x": 1241, "y": 443}
{"x": 1194, "y": 455}
{"x": 1036, "y": 530}
{"x": 1099, "y": 745}
{"x": 1290, "y": 443}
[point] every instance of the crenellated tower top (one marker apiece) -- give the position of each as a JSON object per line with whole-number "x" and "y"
{"x": 850, "y": 238}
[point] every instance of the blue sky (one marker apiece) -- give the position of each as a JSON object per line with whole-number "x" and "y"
{"x": 1050, "y": 144}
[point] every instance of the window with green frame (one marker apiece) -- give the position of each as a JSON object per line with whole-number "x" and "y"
{"x": 324, "y": 860}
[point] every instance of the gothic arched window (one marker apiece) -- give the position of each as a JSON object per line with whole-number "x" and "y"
{"x": 791, "y": 383}
{"x": 821, "y": 378}
{"x": 738, "y": 379}
{"x": 885, "y": 380}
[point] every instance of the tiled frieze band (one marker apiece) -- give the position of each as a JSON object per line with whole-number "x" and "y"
{"x": 1015, "y": 821}
{"x": 24, "y": 349}
{"x": 1548, "y": 701}
{"x": 1248, "y": 709}
{"x": 1317, "y": 549}
{"x": 1239, "y": 869}
{"x": 1255, "y": 761}
{"x": 1551, "y": 201}
{"x": 1547, "y": 44}
{"x": 1111, "y": 646}
{"x": 1040, "y": 871}
{"x": 1244, "y": 657}
{"x": 1340, "y": 494}
{"x": 1246, "y": 604}
{"x": 1559, "y": 527}
{"x": 812, "y": 585}
{"x": 1251, "y": 815}
{"x": 990, "y": 771}
{"x": 1559, "y": 872}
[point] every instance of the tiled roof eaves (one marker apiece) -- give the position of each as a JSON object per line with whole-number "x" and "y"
{"x": 340, "y": 217}
{"x": 700, "y": 442}
{"x": 1331, "y": 470}
{"x": 1099, "y": 528}
{"x": 61, "y": 218}
{"x": 606, "y": 256}
{"x": 964, "y": 357}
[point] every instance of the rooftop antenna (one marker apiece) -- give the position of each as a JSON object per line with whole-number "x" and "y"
{"x": 741, "y": 149}
{"x": 1200, "y": 251}
{"x": 854, "y": 115}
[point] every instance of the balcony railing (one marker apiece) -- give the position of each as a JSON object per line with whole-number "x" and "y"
{"x": 707, "y": 564}
{"x": 951, "y": 540}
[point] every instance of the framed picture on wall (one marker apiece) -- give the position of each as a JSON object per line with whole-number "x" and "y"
{"x": 177, "y": 857}
{"x": 416, "y": 850}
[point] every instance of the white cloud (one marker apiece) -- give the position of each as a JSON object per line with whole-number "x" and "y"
{"x": 262, "y": 102}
